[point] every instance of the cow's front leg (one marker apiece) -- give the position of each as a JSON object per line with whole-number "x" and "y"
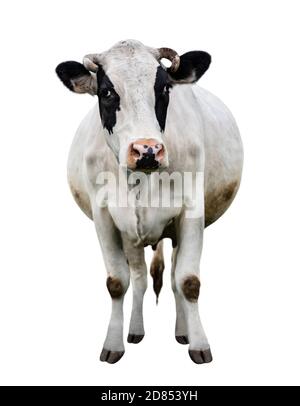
{"x": 190, "y": 239}
{"x": 117, "y": 282}
{"x": 138, "y": 275}
{"x": 181, "y": 333}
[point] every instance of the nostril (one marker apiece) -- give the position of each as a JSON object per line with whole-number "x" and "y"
{"x": 161, "y": 152}
{"x": 135, "y": 153}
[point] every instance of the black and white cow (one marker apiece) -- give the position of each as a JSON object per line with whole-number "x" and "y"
{"x": 152, "y": 119}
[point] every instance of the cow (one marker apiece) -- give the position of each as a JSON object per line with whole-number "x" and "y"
{"x": 151, "y": 118}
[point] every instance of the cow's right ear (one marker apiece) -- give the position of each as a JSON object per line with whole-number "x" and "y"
{"x": 77, "y": 78}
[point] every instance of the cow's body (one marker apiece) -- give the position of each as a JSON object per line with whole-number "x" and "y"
{"x": 200, "y": 136}
{"x": 214, "y": 128}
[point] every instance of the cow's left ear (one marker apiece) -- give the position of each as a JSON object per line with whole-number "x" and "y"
{"x": 192, "y": 66}
{"x": 77, "y": 78}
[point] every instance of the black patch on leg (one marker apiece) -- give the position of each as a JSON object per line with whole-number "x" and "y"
{"x": 191, "y": 287}
{"x": 109, "y": 100}
{"x": 161, "y": 90}
{"x": 114, "y": 287}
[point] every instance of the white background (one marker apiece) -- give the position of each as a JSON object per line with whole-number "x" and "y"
{"x": 53, "y": 300}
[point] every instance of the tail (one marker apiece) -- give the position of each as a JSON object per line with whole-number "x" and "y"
{"x": 157, "y": 268}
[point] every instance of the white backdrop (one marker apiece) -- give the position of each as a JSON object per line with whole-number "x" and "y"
{"x": 53, "y": 301}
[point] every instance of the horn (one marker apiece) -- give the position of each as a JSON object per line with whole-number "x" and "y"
{"x": 170, "y": 54}
{"x": 91, "y": 62}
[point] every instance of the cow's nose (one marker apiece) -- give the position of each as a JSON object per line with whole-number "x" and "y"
{"x": 145, "y": 154}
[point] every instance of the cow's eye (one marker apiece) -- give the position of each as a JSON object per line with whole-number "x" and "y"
{"x": 106, "y": 93}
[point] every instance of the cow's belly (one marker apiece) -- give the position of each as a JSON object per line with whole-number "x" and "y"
{"x": 221, "y": 187}
{"x": 223, "y": 156}
{"x": 144, "y": 226}
{"x": 217, "y": 201}
{"x": 223, "y": 171}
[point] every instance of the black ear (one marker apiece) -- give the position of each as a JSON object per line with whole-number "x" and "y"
{"x": 192, "y": 66}
{"x": 77, "y": 78}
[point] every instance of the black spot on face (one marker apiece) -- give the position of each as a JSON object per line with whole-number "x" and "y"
{"x": 161, "y": 90}
{"x": 109, "y": 100}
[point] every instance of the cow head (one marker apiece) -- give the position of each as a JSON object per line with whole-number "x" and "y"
{"x": 133, "y": 87}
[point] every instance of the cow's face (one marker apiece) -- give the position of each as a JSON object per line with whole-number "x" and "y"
{"x": 133, "y": 92}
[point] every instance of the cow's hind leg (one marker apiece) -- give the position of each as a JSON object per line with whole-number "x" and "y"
{"x": 190, "y": 238}
{"x": 138, "y": 275}
{"x": 181, "y": 334}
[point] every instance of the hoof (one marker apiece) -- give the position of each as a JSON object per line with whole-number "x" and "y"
{"x": 200, "y": 357}
{"x": 134, "y": 339}
{"x": 111, "y": 356}
{"x": 182, "y": 339}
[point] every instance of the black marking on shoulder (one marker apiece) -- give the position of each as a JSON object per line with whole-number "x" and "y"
{"x": 109, "y": 100}
{"x": 161, "y": 90}
{"x": 70, "y": 70}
